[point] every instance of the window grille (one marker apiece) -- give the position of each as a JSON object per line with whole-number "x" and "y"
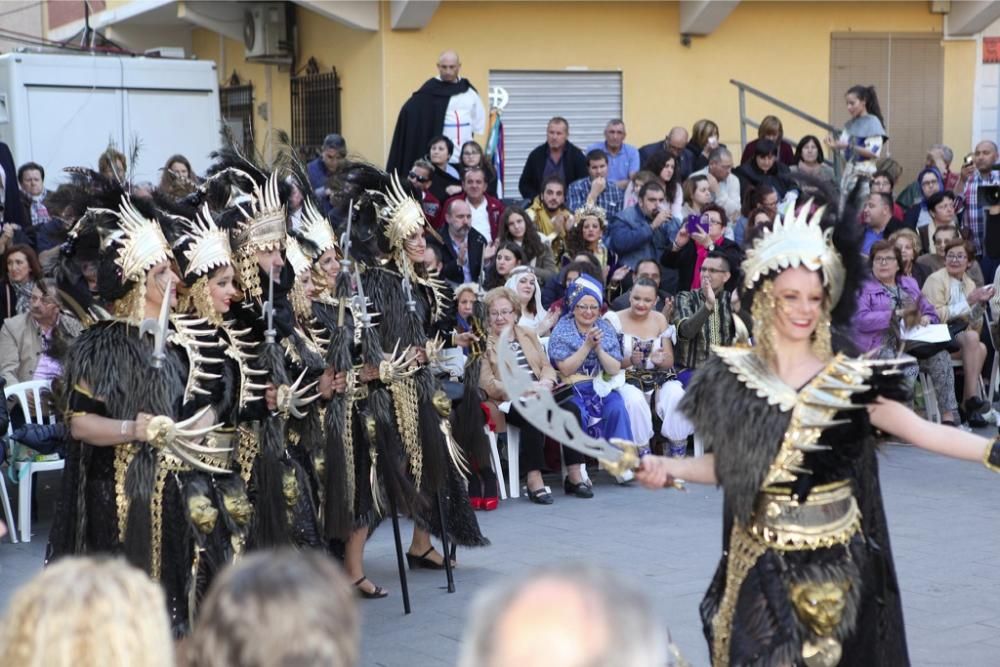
{"x": 315, "y": 108}
{"x": 236, "y": 100}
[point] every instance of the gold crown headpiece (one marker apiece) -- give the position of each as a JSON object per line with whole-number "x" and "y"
{"x": 317, "y": 228}
{"x": 209, "y": 248}
{"x": 797, "y": 239}
{"x": 264, "y": 227}
{"x": 140, "y": 241}
{"x": 296, "y": 256}
{"x": 401, "y": 213}
{"x": 586, "y": 211}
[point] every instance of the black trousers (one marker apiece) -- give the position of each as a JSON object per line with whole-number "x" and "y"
{"x": 532, "y": 442}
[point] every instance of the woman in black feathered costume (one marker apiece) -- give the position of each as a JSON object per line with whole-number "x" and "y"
{"x": 135, "y": 429}
{"x": 409, "y": 407}
{"x": 807, "y": 575}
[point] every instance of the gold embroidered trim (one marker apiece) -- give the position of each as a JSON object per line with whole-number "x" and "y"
{"x": 743, "y": 554}
{"x": 404, "y": 400}
{"x": 829, "y": 516}
{"x": 249, "y": 447}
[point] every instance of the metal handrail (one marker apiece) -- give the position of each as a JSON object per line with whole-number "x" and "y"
{"x": 809, "y": 118}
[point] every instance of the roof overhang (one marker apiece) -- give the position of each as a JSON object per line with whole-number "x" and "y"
{"x": 702, "y": 17}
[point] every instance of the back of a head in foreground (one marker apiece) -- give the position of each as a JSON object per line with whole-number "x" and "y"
{"x": 571, "y": 615}
{"x": 87, "y": 612}
{"x": 281, "y": 608}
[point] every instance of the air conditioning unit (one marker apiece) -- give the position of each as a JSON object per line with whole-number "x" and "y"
{"x": 266, "y": 33}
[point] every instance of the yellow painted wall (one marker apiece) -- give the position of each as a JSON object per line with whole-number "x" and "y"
{"x": 781, "y": 48}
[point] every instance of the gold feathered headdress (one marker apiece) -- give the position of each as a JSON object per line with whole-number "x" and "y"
{"x": 797, "y": 240}
{"x": 591, "y": 211}
{"x": 263, "y": 228}
{"x": 209, "y": 248}
{"x": 139, "y": 240}
{"x": 296, "y": 256}
{"x": 401, "y": 213}
{"x": 317, "y": 229}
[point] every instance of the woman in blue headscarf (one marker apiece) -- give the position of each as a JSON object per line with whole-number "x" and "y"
{"x": 930, "y": 182}
{"x": 586, "y": 351}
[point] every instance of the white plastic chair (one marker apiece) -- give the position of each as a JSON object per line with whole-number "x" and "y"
{"x": 931, "y": 408}
{"x": 25, "y": 471}
{"x": 495, "y": 456}
{"x": 8, "y": 513}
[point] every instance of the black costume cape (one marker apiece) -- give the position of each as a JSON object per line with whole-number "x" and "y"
{"x": 420, "y": 118}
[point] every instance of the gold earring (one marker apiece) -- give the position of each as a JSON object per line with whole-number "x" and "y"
{"x": 762, "y": 312}
{"x": 821, "y": 343}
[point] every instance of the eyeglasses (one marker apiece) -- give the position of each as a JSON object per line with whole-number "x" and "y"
{"x": 884, "y": 260}
{"x": 584, "y": 308}
{"x": 708, "y": 269}
{"x": 500, "y": 314}
{"x": 955, "y": 258}
{"x": 419, "y": 179}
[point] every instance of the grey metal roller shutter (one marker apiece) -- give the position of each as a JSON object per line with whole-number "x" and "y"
{"x": 588, "y": 100}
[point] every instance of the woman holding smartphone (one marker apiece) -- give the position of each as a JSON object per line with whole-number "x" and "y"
{"x": 695, "y": 239}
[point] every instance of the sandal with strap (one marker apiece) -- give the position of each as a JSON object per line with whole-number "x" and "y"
{"x": 379, "y": 592}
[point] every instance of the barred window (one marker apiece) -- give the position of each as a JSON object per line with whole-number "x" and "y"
{"x": 315, "y": 108}
{"x": 236, "y": 100}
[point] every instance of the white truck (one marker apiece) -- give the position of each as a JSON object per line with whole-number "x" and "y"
{"x": 63, "y": 110}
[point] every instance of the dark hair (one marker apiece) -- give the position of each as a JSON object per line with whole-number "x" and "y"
{"x": 591, "y": 260}
{"x": 435, "y": 249}
{"x": 883, "y": 245}
{"x": 472, "y": 170}
{"x": 581, "y": 267}
{"x": 170, "y": 184}
{"x": 596, "y": 155}
{"x": 945, "y": 228}
{"x": 803, "y": 142}
{"x": 765, "y": 147}
{"x": 558, "y": 119}
{"x": 648, "y": 260}
{"x": 886, "y": 175}
{"x": 554, "y": 179}
{"x": 716, "y": 208}
{"x": 867, "y": 95}
{"x": 28, "y": 166}
{"x": 690, "y": 185}
{"x": 34, "y": 267}
{"x": 575, "y": 245}
{"x": 447, "y": 142}
{"x": 757, "y": 210}
{"x": 939, "y": 197}
{"x": 651, "y": 185}
{"x": 885, "y": 197}
{"x": 494, "y": 279}
{"x": 484, "y": 164}
{"x": 718, "y": 254}
{"x": 657, "y": 161}
{"x": 532, "y": 244}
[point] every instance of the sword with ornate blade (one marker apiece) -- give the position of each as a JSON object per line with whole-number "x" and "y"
{"x": 159, "y": 327}
{"x": 541, "y": 411}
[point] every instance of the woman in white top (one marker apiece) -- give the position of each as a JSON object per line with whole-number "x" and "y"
{"x": 523, "y": 282}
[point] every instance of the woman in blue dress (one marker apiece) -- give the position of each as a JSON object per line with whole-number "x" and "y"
{"x": 585, "y": 349}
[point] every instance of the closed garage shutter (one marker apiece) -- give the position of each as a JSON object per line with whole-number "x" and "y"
{"x": 588, "y": 100}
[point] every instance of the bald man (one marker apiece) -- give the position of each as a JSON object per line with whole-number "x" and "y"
{"x": 446, "y": 104}
{"x": 570, "y": 615}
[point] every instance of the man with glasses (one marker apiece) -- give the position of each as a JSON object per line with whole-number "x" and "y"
{"x": 703, "y": 317}
{"x": 420, "y": 178}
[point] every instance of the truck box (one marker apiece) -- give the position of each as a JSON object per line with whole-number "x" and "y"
{"x": 62, "y": 110}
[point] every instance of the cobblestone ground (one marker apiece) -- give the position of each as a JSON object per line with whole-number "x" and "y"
{"x": 943, "y": 515}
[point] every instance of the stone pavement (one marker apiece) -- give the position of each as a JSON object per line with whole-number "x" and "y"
{"x": 943, "y": 516}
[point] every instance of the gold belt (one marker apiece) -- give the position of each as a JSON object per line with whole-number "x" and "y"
{"x": 829, "y": 516}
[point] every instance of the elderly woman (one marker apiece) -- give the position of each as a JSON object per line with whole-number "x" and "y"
{"x": 503, "y": 310}
{"x": 585, "y": 349}
{"x": 909, "y": 245}
{"x": 888, "y": 297}
{"x": 957, "y": 301}
{"x": 524, "y": 284}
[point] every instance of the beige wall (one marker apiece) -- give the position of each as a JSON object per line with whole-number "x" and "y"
{"x": 781, "y": 48}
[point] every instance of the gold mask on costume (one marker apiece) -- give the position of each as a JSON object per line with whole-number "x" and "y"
{"x": 820, "y": 605}
{"x": 441, "y": 403}
{"x": 237, "y": 503}
{"x": 290, "y": 488}
{"x": 202, "y": 514}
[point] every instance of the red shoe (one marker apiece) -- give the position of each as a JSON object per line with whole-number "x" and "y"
{"x": 490, "y": 504}
{"x": 476, "y": 502}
